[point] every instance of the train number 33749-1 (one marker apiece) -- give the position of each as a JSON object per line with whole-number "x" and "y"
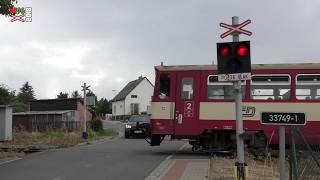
{"x": 283, "y": 118}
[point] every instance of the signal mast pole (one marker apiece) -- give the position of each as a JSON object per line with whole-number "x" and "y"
{"x": 239, "y": 121}
{"x": 84, "y": 89}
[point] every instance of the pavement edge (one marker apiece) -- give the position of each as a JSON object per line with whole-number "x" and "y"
{"x": 160, "y": 171}
{"x": 164, "y": 166}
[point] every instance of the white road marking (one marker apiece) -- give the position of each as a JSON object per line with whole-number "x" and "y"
{"x": 9, "y": 161}
{"x": 182, "y": 147}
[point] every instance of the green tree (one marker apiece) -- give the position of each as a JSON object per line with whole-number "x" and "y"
{"x": 62, "y": 95}
{"x": 5, "y": 6}
{"x": 102, "y": 107}
{"x": 75, "y": 94}
{"x": 18, "y": 106}
{"x": 26, "y": 93}
{"x": 6, "y": 95}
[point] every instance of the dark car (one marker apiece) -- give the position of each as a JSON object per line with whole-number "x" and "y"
{"x": 137, "y": 125}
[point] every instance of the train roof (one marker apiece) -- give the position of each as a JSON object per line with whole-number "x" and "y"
{"x": 253, "y": 66}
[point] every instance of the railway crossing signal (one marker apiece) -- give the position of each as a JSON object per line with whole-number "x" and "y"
{"x": 85, "y": 133}
{"x": 234, "y": 65}
{"x": 234, "y": 61}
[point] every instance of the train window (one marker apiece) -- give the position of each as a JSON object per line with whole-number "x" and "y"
{"x": 308, "y": 86}
{"x": 270, "y": 87}
{"x": 221, "y": 90}
{"x": 164, "y": 86}
{"x": 187, "y": 88}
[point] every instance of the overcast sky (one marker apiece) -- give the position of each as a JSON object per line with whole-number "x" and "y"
{"x": 108, "y": 43}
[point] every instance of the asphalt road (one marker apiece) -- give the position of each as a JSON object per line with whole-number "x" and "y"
{"x": 113, "y": 159}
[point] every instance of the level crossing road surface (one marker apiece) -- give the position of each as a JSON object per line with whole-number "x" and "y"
{"x": 113, "y": 159}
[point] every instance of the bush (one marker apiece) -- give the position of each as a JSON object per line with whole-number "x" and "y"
{"x": 97, "y": 125}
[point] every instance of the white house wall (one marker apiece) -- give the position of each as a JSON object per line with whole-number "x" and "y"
{"x": 119, "y": 110}
{"x": 144, "y": 91}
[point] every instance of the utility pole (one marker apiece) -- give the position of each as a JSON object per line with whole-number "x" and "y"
{"x": 239, "y": 121}
{"x": 84, "y": 89}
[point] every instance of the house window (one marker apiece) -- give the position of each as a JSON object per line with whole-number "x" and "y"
{"x": 164, "y": 86}
{"x": 308, "y": 86}
{"x": 221, "y": 90}
{"x": 187, "y": 88}
{"x": 134, "y": 96}
{"x": 134, "y": 108}
{"x": 270, "y": 87}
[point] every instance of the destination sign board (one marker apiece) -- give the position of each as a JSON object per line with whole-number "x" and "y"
{"x": 234, "y": 77}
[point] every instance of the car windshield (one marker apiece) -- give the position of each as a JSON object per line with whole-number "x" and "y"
{"x": 139, "y": 119}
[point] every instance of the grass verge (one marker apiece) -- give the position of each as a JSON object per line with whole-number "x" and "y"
{"x": 222, "y": 168}
{"x": 49, "y": 139}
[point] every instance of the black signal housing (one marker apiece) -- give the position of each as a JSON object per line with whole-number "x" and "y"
{"x": 234, "y": 57}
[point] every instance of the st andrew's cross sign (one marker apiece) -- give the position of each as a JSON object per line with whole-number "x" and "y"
{"x": 235, "y": 29}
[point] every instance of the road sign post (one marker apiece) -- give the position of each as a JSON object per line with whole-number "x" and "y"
{"x": 282, "y": 152}
{"x": 282, "y": 119}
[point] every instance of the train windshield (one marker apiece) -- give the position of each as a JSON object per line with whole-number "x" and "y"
{"x": 164, "y": 86}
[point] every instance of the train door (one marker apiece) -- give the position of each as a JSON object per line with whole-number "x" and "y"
{"x": 187, "y": 103}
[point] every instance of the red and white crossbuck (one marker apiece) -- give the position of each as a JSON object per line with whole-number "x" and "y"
{"x": 236, "y": 29}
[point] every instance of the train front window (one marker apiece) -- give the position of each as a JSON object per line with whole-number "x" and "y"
{"x": 187, "y": 88}
{"x": 164, "y": 86}
{"x": 221, "y": 90}
{"x": 308, "y": 86}
{"x": 270, "y": 87}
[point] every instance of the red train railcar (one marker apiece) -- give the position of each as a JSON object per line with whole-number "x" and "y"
{"x": 190, "y": 103}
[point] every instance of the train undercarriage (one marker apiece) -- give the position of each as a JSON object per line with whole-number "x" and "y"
{"x": 222, "y": 141}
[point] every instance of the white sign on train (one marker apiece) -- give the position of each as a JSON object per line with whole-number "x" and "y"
{"x": 234, "y": 77}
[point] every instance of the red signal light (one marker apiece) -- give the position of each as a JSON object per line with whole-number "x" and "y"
{"x": 242, "y": 50}
{"x": 224, "y": 51}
